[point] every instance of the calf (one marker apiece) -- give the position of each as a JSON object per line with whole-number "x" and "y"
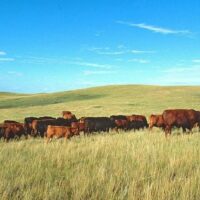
{"x": 59, "y": 132}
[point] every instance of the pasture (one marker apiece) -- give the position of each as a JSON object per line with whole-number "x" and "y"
{"x": 133, "y": 165}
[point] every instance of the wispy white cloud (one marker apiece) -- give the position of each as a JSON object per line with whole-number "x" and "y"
{"x": 106, "y": 51}
{"x": 121, "y": 49}
{"x": 93, "y": 72}
{"x": 112, "y": 52}
{"x": 99, "y": 48}
{"x": 155, "y": 29}
{"x": 89, "y": 64}
{"x": 141, "y": 61}
{"x": 140, "y": 51}
{"x": 196, "y": 61}
{"x": 2, "y": 53}
{"x": 14, "y": 73}
{"x": 6, "y": 59}
{"x": 185, "y": 70}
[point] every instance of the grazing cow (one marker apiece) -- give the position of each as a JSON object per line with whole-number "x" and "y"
{"x": 68, "y": 115}
{"x": 59, "y": 132}
{"x": 40, "y": 126}
{"x": 121, "y": 124}
{"x": 180, "y": 118}
{"x": 97, "y": 124}
{"x": 198, "y": 116}
{"x": 137, "y": 122}
{"x": 13, "y": 130}
{"x": 156, "y": 121}
{"x": 114, "y": 117}
{"x": 29, "y": 124}
{"x": 79, "y": 126}
{"x": 2, "y": 129}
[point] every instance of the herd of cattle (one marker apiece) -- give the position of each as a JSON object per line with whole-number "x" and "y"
{"x": 68, "y": 125}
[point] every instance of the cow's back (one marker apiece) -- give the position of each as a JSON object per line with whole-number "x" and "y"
{"x": 180, "y": 117}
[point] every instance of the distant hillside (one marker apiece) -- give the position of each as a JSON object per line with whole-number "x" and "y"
{"x": 97, "y": 101}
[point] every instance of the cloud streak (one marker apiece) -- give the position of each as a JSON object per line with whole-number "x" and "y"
{"x": 6, "y": 59}
{"x": 196, "y": 61}
{"x": 121, "y": 50}
{"x": 141, "y": 61}
{"x": 95, "y": 65}
{"x": 140, "y": 51}
{"x": 91, "y": 72}
{"x": 2, "y": 53}
{"x": 14, "y": 73}
{"x": 155, "y": 29}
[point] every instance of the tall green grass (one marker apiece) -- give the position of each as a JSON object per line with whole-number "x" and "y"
{"x": 110, "y": 166}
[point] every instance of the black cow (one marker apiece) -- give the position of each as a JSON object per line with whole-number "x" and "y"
{"x": 97, "y": 124}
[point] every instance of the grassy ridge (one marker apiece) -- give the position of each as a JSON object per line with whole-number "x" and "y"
{"x": 104, "y": 166}
{"x": 101, "y": 101}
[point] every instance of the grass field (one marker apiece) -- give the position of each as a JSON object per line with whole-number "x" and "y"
{"x": 138, "y": 165}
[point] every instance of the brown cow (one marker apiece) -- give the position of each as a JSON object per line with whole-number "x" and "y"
{"x": 137, "y": 122}
{"x": 13, "y": 130}
{"x": 156, "y": 121}
{"x": 180, "y": 118}
{"x": 136, "y": 117}
{"x": 59, "y": 132}
{"x": 198, "y": 116}
{"x": 121, "y": 124}
{"x": 79, "y": 126}
{"x": 2, "y": 130}
{"x": 67, "y": 114}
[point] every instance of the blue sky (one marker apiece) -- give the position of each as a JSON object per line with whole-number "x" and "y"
{"x": 48, "y": 46}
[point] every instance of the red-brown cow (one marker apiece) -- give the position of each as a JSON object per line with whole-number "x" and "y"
{"x": 79, "y": 126}
{"x": 121, "y": 124}
{"x": 12, "y": 130}
{"x": 156, "y": 121}
{"x": 59, "y": 132}
{"x": 180, "y": 118}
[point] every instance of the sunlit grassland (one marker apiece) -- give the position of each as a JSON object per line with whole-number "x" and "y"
{"x": 100, "y": 101}
{"x": 109, "y": 166}
{"x": 132, "y": 165}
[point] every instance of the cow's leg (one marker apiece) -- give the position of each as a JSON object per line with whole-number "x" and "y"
{"x": 48, "y": 138}
{"x": 168, "y": 130}
{"x": 26, "y": 136}
{"x": 116, "y": 129}
{"x": 184, "y": 129}
{"x": 150, "y": 129}
{"x": 6, "y": 138}
{"x": 67, "y": 137}
{"x": 190, "y": 130}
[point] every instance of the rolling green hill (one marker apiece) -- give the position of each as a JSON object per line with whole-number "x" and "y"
{"x": 100, "y": 101}
{"x": 126, "y": 165}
